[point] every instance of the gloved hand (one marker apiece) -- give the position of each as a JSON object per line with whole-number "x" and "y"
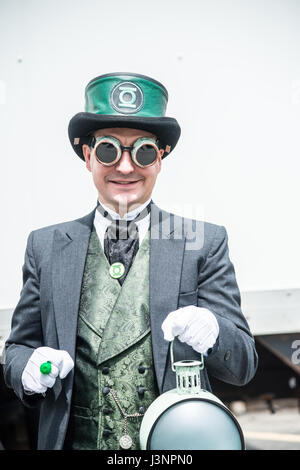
{"x": 196, "y": 326}
{"x": 34, "y": 381}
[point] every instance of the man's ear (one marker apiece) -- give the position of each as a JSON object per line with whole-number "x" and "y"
{"x": 161, "y": 152}
{"x": 86, "y": 150}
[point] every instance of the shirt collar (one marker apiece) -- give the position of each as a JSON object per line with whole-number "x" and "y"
{"x": 128, "y": 216}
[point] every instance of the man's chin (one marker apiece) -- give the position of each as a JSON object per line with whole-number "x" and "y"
{"x": 126, "y": 202}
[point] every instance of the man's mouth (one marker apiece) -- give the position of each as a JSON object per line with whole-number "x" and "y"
{"x": 125, "y": 183}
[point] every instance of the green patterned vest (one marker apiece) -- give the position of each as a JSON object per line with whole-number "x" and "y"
{"x": 113, "y": 351}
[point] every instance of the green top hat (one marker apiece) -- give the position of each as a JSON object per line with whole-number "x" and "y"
{"x": 124, "y": 100}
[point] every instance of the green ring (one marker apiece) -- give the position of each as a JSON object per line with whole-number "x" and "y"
{"x": 45, "y": 368}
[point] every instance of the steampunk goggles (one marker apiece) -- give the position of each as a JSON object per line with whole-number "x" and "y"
{"x": 108, "y": 150}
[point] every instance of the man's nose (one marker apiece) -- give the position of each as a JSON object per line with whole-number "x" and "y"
{"x": 125, "y": 164}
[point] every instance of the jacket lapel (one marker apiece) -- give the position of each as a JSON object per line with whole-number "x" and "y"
{"x": 166, "y": 253}
{"x": 69, "y": 254}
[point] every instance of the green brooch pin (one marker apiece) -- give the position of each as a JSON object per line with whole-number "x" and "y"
{"x": 116, "y": 270}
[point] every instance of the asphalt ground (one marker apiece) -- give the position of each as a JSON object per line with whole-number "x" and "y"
{"x": 264, "y": 430}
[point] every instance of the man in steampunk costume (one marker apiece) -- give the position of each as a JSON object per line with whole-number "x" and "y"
{"x": 105, "y": 294}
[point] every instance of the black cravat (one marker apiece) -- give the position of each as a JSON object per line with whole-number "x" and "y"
{"x": 121, "y": 240}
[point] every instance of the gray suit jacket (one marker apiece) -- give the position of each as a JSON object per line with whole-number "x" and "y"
{"x": 189, "y": 265}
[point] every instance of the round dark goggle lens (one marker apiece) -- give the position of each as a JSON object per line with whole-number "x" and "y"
{"x": 146, "y": 155}
{"x": 106, "y": 152}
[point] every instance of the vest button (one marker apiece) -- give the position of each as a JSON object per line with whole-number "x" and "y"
{"x": 142, "y": 369}
{"x": 105, "y": 390}
{"x": 106, "y": 411}
{"x": 141, "y": 391}
{"x": 105, "y": 370}
{"x": 106, "y": 432}
{"x": 141, "y": 410}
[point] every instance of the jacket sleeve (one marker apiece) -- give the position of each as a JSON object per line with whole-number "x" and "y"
{"x": 233, "y": 359}
{"x": 26, "y": 331}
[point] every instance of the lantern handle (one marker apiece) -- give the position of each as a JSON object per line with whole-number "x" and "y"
{"x": 172, "y": 358}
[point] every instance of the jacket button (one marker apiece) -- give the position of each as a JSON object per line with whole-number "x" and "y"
{"x": 106, "y": 411}
{"x": 142, "y": 369}
{"x": 141, "y": 391}
{"x": 105, "y": 370}
{"x": 227, "y": 355}
{"x": 141, "y": 410}
{"x": 106, "y": 432}
{"x": 105, "y": 390}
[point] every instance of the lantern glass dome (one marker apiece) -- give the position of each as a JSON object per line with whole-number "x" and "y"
{"x": 195, "y": 424}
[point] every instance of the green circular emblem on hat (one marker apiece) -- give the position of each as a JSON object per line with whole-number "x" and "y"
{"x": 45, "y": 368}
{"x": 116, "y": 270}
{"x": 127, "y": 98}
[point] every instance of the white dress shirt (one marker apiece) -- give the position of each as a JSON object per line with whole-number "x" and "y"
{"x": 101, "y": 223}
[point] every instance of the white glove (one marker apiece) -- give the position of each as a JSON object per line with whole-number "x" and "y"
{"x": 196, "y": 326}
{"x": 34, "y": 381}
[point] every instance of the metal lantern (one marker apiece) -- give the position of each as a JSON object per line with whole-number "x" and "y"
{"x": 188, "y": 417}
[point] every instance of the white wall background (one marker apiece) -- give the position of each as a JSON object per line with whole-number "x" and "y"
{"x": 232, "y": 69}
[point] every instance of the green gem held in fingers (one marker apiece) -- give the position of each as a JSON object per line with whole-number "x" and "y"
{"x": 45, "y": 368}
{"x": 117, "y": 270}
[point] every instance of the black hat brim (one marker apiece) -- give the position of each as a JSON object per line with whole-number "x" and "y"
{"x": 166, "y": 129}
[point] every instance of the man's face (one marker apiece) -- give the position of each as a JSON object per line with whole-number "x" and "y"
{"x": 107, "y": 179}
